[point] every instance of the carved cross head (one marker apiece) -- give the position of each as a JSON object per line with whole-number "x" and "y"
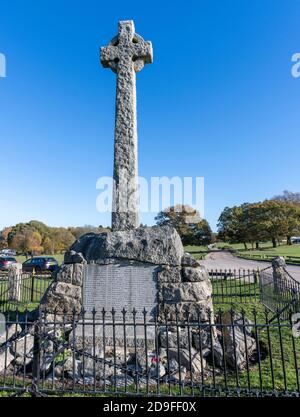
{"x": 126, "y": 50}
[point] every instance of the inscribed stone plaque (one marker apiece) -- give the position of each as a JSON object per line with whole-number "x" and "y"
{"x": 126, "y": 284}
{"x": 120, "y": 285}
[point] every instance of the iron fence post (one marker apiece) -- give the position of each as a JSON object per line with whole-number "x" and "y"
{"x": 32, "y": 287}
{"x": 36, "y": 354}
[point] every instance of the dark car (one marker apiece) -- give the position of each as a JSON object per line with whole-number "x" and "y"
{"x": 5, "y": 262}
{"x": 40, "y": 264}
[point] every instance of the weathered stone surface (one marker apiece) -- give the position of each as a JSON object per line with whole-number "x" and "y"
{"x": 140, "y": 359}
{"x": 5, "y": 359}
{"x": 78, "y": 274}
{"x": 65, "y": 273}
{"x": 205, "y": 340}
{"x": 278, "y": 262}
{"x": 169, "y": 274}
{"x": 172, "y": 341}
{"x": 156, "y": 245}
{"x": 202, "y": 338}
{"x": 190, "y": 362}
{"x": 176, "y": 376}
{"x": 9, "y": 332}
{"x": 157, "y": 371}
{"x": 72, "y": 257}
{"x": 280, "y": 275}
{"x": 62, "y": 297}
{"x": 72, "y": 367}
{"x": 187, "y": 291}
{"x": 191, "y": 274}
{"x": 188, "y": 260}
{"x": 71, "y": 273}
{"x": 23, "y": 348}
{"x": 195, "y": 310}
{"x": 120, "y": 381}
{"x": 126, "y": 54}
{"x": 238, "y": 342}
{"x": 96, "y": 368}
{"x": 14, "y": 282}
{"x": 173, "y": 365}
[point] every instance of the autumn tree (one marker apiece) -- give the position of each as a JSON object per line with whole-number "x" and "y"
{"x": 3, "y": 237}
{"x": 62, "y": 239}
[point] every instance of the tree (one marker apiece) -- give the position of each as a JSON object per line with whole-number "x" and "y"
{"x": 278, "y": 219}
{"x": 62, "y": 239}
{"x": 33, "y": 242}
{"x": 26, "y": 240}
{"x": 258, "y": 222}
{"x": 289, "y": 197}
{"x": 290, "y": 220}
{"x": 188, "y": 223}
{"x": 202, "y": 233}
{"x": 232, "y": 226}
{"x": 3, "y": 237}
{"x": 79, "y": 231}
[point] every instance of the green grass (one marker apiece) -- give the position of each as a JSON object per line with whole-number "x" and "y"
{"x": 265, "y": 248}
{"x": 284, "y": 250}
{"x": 198, "y": 252}
{"x": 283, "y": 360}
{"x": 29, "y": 299}
{"x": 266, "y": 251}
{"x": 240, "y": 246}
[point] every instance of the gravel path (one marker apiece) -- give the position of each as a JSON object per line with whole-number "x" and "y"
{"x": 225, "y": 260}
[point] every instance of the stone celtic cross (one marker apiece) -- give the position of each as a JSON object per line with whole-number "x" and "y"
{"x": 126, "y": 54}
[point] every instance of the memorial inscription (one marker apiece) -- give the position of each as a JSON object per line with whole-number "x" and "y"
{"x": 120, "y": 285}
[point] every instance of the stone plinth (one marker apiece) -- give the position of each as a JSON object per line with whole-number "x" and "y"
{"x": 141, "y": 268}
{"x": 14, "y": 282}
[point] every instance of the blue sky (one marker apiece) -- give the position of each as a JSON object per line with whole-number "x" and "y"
{"x": 219, "y": 101}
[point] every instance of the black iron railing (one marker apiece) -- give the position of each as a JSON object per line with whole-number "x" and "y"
{"x": 232, "y": 353}
{"x": 235, "y": 286}
{"x": 32, "y": 289}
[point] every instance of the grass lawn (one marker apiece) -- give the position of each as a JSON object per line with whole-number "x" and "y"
{"x": 30, "y": 296}
{"x": 240, "y": 246}
{"x": 266, "y": 251}
{"x": 198, "y": 252}
{"x": 284, "y": 250}
{"x": 278, "y": 369}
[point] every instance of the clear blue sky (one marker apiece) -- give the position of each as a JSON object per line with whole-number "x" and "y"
{"x": 219, "y": 101}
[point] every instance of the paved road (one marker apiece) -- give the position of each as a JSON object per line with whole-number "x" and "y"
{"x": 225, "y": 260}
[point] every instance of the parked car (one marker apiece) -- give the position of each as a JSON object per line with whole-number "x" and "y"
{"x": 40, "y": 264}
{"x": 5, "y": 262}
{"x": 295, "y": 239}
{"x": 8, "y": 252}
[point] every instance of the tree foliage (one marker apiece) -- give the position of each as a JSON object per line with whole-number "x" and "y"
{"x": 187, "y": 221}
{"x": 259, "y": 222}
{"x": 289, "y": 197}
{"x": 37, "y": 238}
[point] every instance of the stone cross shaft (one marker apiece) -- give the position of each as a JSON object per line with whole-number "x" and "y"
{"x": 126, "y": 54}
